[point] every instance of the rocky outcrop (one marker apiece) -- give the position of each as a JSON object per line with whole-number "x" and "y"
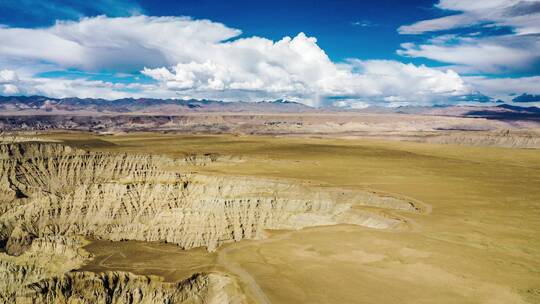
{"x": 122, "y": 287}
{"x": 502, "y": 138}
{"x": 13, "y": 276}
{"x": 60, "y": 191}
{"x": 11, "y": 138}
{"x": 43, "y": 258}
{"x": 44, "y": 273}
{"x": 50, "y": 194}
{"x": 19, "y": 240}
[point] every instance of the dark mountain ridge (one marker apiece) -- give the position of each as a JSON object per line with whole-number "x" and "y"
{"x": 150, "y": 105}
{"x": 39, "y": 105}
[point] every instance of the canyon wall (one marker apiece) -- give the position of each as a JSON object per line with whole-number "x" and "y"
{"x": 53, "y": 195}
{"x": 52, "y": 189}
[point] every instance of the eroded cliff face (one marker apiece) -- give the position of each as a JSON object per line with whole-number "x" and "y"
{"x": 50, "y": 194}
{"x": 43, "y": 258}
{"x": 56, "y": 190}
{"x": 44, "y": 273}
{"x": 122, "y": 287}
{"x": 502, "y": 138}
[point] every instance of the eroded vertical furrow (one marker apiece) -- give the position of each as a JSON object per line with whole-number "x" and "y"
{"x": 51, "y": 193}
{"x": 66, "y": 191}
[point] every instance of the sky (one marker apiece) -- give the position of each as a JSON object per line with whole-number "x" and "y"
{"x": 343, "y": 52}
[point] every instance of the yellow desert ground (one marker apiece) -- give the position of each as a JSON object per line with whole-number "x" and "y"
{"x": 474, "y": 238}
{"x": 270, "y": 152}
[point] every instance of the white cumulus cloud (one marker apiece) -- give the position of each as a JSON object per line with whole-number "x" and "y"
{"x": 12, "y": 84}
{"x": 123, "y": 44}
{"x": 498, "y": 54}
{"x": 522, "y": 15}
{"x": 505, "y": 88}
{"x": 205, "y": 59}
{"x": 8, "y": 81}
{"x": 515, "y": 51}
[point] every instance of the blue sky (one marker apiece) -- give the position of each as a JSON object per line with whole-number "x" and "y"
{"x": 343, "y": 28}
{"x": 352, "y": 53}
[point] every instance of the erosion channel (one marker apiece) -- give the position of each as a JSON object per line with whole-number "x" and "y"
{"x": 96, "y": 227}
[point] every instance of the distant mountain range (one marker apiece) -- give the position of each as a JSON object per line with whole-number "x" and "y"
{"x": 41, "y": 105}
{"x": 46, "y": 105}
{"x": 527, "y": 98}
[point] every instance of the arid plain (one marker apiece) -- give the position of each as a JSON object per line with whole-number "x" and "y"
{"x": 424, "y": 223}
{"x": 270, "y": 152}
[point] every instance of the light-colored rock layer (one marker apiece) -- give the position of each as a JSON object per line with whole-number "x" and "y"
{"x": 50, "y": 190}
{"x": 503, "y": 138}
{"x": 44, "y": 258}
{"x": 122, "y": 287}
{"x": 51, "y": 193}
{"x": 41, "y": 274}
{"x": 11, "y": 138}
